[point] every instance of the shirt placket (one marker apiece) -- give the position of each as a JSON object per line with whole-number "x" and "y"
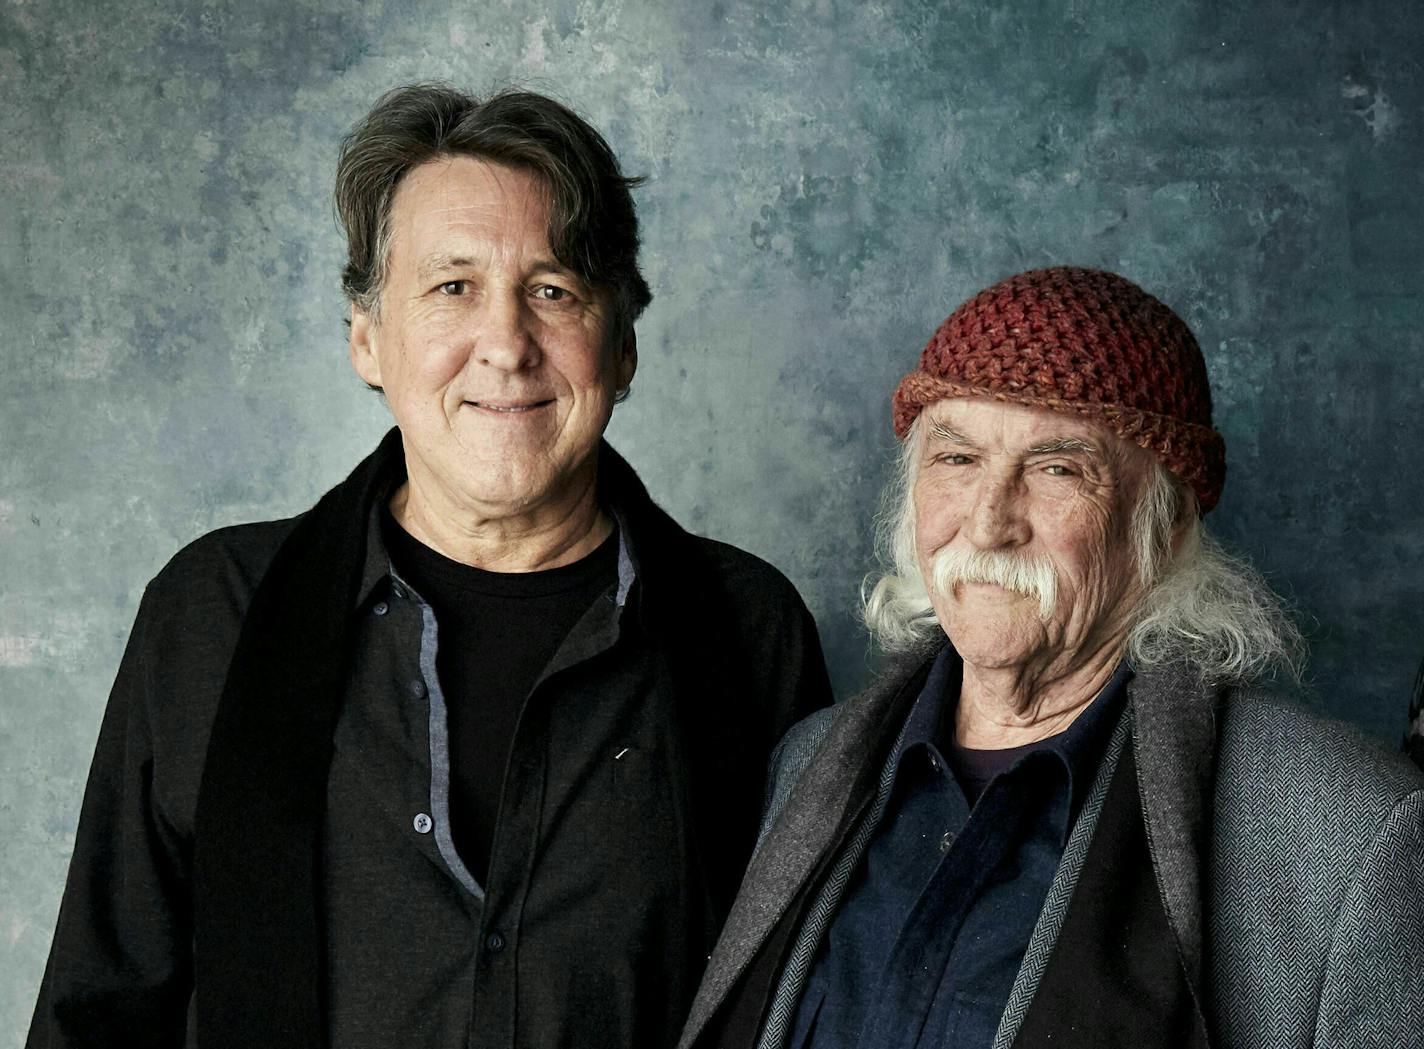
{"x": 497, "y": 901}
{"x": 931, "y": 929}
{"x": 498, "y": 904}
{"x": 945, "y": 821}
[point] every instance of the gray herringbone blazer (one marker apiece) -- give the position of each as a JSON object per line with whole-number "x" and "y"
{"x": 1289, "y": 852}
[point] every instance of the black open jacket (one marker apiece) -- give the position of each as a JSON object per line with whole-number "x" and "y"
{"x": 192, "y": 913}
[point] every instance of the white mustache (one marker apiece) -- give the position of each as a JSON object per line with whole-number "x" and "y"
{"x": 1025, "y": 574}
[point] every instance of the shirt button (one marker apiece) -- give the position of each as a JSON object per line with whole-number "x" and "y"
{"x": 397, "y": 590}
{"x": 381, "y": 608}
{"x": 934, "y": 761}
{"x": 422, "y": 823}
{"x": 495, "y": 942}
{"x": 946, "y": 842}
{"x": 416, "y": 687}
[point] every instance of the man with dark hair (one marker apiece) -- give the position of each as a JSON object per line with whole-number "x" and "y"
{"x": 470, "y": 753}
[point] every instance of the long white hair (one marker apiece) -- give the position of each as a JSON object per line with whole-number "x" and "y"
{"x": 1200, "y": 604}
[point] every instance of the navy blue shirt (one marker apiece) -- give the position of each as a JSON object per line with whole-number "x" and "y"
{"x": 934, "y": 924}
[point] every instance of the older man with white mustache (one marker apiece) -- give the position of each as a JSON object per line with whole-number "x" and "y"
{"x": 1072, "y": 813}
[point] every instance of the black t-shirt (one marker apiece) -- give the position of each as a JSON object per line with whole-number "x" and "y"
{"x": 497, "y": 633}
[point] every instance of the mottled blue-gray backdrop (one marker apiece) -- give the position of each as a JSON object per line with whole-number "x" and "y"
{"x": 828, "y": 178}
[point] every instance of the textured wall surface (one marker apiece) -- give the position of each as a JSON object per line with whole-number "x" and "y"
{"x": 828, "y": 179}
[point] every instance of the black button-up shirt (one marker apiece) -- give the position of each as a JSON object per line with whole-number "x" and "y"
{"x": 586, "y": 787}
{"x": 595, "y": 920}
{"x": 928, "y": 939}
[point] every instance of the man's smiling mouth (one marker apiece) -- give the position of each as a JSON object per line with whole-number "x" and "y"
{"x": 509, "y": 409}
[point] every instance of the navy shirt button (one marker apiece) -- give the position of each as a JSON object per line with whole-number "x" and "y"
{"x": 495, "y": 942}
{"x": 417, "y": 687}
{"x": 381, "y": 608}
{"x": 422, "y": 823}
{"x": 934, "y": 761}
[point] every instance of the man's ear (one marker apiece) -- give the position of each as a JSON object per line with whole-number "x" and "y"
{"x": 363, "y": 347}
{"x": 626, "y": 362}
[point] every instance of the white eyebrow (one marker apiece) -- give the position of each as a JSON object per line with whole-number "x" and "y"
{"x": 1044, "y": 447}
{"x": 1063, "y": 444}
{"x": 944, "y": 433}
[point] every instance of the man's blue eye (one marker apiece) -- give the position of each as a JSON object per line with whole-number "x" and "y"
{"x": 453, "y": 287}
{"x": 551, "y": 292}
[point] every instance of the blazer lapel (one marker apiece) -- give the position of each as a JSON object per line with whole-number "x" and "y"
{"x": 838, "y": 779}
{"x": 1044, "y": 938}
{"x": 1171, "y": 721}
{"x": 1174, "y": 743}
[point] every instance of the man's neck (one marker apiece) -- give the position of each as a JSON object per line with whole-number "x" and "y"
{"x": 550, "y": 535}
{"x": 1002, "y": 707}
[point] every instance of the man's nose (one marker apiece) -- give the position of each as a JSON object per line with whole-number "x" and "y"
{"x": 998, "y": 519}
{"x": 504, "y": 335}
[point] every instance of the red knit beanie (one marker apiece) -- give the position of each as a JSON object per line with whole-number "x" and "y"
{"x": 1085, "y": 341}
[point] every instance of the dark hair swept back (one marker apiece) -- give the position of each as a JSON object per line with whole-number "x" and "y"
{"x": 593, "y": 226}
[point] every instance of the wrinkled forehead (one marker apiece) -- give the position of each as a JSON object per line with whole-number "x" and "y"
{"x": 1013, "y": 429}
{"x": 471, "y": 197}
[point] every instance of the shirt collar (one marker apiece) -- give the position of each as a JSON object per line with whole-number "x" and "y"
{"x": 1082, "y": 743}
{"x": 937, "y": 699}
{"x": 377, "y": 567}
{"x": 626, "y": 570}
{"x": 1079, "y": 747}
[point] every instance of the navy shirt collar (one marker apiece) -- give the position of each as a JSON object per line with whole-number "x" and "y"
{"x": 1079, "y": 747}
{"x": 939, "y": 697}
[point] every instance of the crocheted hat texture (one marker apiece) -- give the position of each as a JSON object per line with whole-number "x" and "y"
{"x": 1085, "y": 341}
